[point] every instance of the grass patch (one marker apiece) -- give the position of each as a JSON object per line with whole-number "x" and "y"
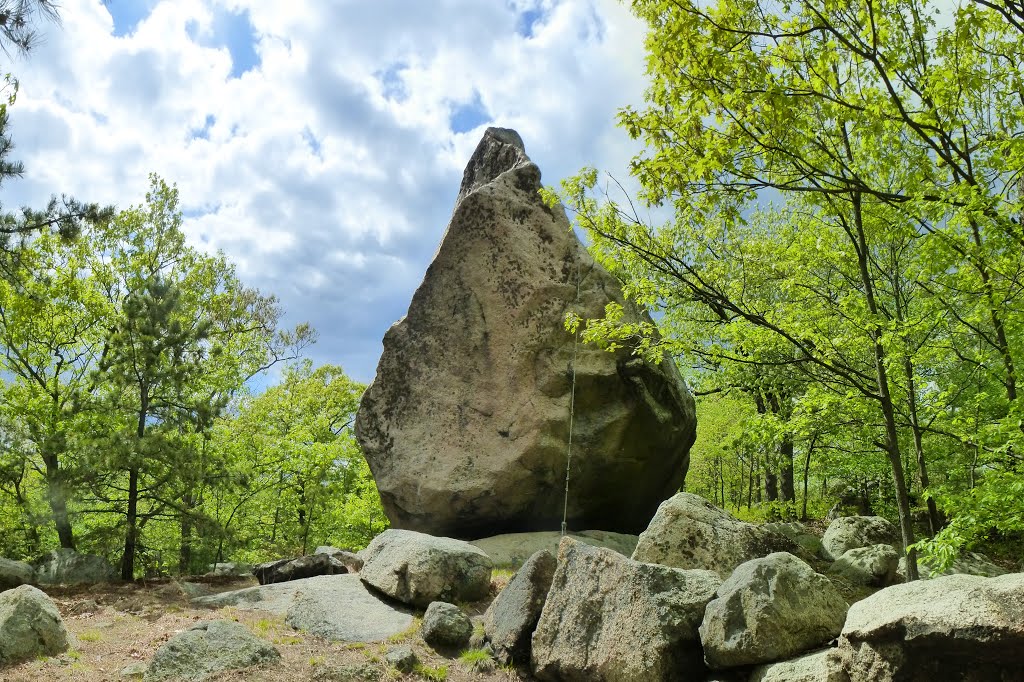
{"x": 438, "y": 674}
{"x": 405, "y": 634}
{"x": 90, "y": 636}
{"x": 473, "y": 658}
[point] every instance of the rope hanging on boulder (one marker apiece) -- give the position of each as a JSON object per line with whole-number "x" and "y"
{"x": 572, "y": 409}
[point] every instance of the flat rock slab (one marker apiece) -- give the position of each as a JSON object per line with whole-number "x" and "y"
{"x": 513, "y": 549}
{"x": 336, "y": 607}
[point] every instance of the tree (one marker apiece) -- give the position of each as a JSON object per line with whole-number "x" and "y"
{"x": 891, "y": 142}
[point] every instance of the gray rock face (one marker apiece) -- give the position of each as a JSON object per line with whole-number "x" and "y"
{"x": 607, "y": 618}
{"x": 690, "y": 532}
{"x": 68, "y": 567}
{"x": 401, "y": 658}
{"x": 350, "y": 560}
{"x": 206, "y": 649}
{"x": 851, "y": 532}
{"x": 513, "y": 549}
{"x": 874, "y": 565}
{"x": 808, "y": 668}
{"x": 335, "y": 607}
{"x": 466, "y": 423}
{"x": 14, "y": 573}
{"x": 445, "y": 625}
{"x": 512, "y": 617}
{"x": 309, "y": 566}
{"x": 768, "y": 610}
{"x": 229, "y": 569}
{"x": 798, "y": 533}
{"x": 956, "y": 627}
{"x": 417, "y": 569}
{"x": 30, "y": 626}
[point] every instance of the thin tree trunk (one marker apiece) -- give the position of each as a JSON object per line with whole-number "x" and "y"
{"x": 56, "y": 495}
{"x": 787, "y": 491}
{"x": 128, "y": 558}
{"x": 807, "y": 472}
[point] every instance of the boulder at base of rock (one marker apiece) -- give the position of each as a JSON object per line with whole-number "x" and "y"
{"x": 14, "y": 573}
{"x": 417, "y": 569}
{"x": 956, "y": 628}
{"x": 800, "y": 534}
{"x": 68, "y": 567}
{"x": 607, "y": 618}
{"x": 30, "y": 626}
{"x": 401, "y": 658}
{"x": 445, "y": 625}
{"x": 350, "y": 560}
{"x": 874, "y": 565}
{"x": 229, "y": 569}
{"x": 851, "y": 532}
{"x": 208, "y": 648}
{"x": 512, "y": 549}
{"x": 808, "y": 668}
{"x": 310, "y": 566}
{"x": 768, "y": 610}
{"x": 466, "y": 422}
{"x": 690, "y": 532}
{"x": 512, "y": 617}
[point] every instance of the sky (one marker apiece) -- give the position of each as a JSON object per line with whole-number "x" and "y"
{"x": 319, "y": 145}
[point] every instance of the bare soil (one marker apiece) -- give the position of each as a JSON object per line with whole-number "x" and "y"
{"x": 115, "y": 626}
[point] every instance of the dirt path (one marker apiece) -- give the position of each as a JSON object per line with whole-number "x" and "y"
{"x": 120, "y": 625}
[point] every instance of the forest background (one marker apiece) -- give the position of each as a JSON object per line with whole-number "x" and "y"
{"x": 839, "y": 276}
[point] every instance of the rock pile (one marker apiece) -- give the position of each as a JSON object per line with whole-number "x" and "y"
{"x": 473, "y": 388}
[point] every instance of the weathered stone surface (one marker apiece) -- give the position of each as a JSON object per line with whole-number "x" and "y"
{"x": 968, "y": 563}
{"x": 512, "y": 549}
{"x": 768, "y": 610}
{"x": 690, "y": 532}
{"x": 466, "y": 423}
{"x": 417, "y": 569}
{"x": 30, "y": 626}
{"x": 68, "y": 567}
{"x": 851, "y": 532}
{"x": 512, "y": 617}
{"x": 336, "y": 607}
{"x": 401, "y": 658}
{"x": 957, "y": 628}
{"x": 309, "y": 566}
{"x": 226, "y": 569}
{"x": 809, "y": 668}
{"x": 608, "y": 618}
{"x": 873, "y": 565}
{"x": 800, "y": 534}
{"x": 206, "y": 649}
{"x": 445, "y": 625}
{"x": 350, "y": 560}
{"x": 14, "y": 573}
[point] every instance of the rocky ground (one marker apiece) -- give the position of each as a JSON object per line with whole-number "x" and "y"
{"x": 116, "y": 626}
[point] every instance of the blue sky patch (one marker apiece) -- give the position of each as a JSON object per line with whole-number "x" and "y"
{"x": 204, "y": 132}
{"x": 128, "y": 13}
{"x": 234, "y": 31}
{"x": 466, "y": 117}
{"x": 528, "y": 20}
{"x": 392, "y": 82}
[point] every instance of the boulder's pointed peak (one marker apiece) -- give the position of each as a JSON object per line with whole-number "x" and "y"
{"x": 500, "y": 150}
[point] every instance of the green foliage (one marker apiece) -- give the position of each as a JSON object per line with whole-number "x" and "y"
{"x": 433, "y": 673}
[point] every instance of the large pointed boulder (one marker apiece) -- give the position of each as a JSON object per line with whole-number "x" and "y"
{"x": 466, "y": 424}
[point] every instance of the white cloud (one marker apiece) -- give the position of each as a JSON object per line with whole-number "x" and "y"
{"x": 328, "y": 171}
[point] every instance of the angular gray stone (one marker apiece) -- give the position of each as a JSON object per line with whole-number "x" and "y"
{"x": 851, "y": 532}
{"x": 68, "y": 567}
{"x": 417, "y": 569}
{"x": 466, "y": 423}
{"x": 512, "y": 549}
{"x": 690, "y": 532}
{"x": 335, "y": 607}
{"x": 768, "y": 610}
{"x": 206, "y": 649}
{"x": 134, "y": 671}
{"x": 309, "y": 566}
{"x": 808, "y": 668}
{"x": 14, "y": 573}
{"x": 800, "y": 534}
{"x": 511, "y": 618}
{"x": 350, "y": 560}
{"x": 229, "y": 569}
{"x": 957, "y": 627}
{"x": 401, "y": 658}
{"x": 874, "y": 565}
{"x": 445, "y": 625}
{"x": 30, "y": 626}
{"x": 608, "y": 618}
